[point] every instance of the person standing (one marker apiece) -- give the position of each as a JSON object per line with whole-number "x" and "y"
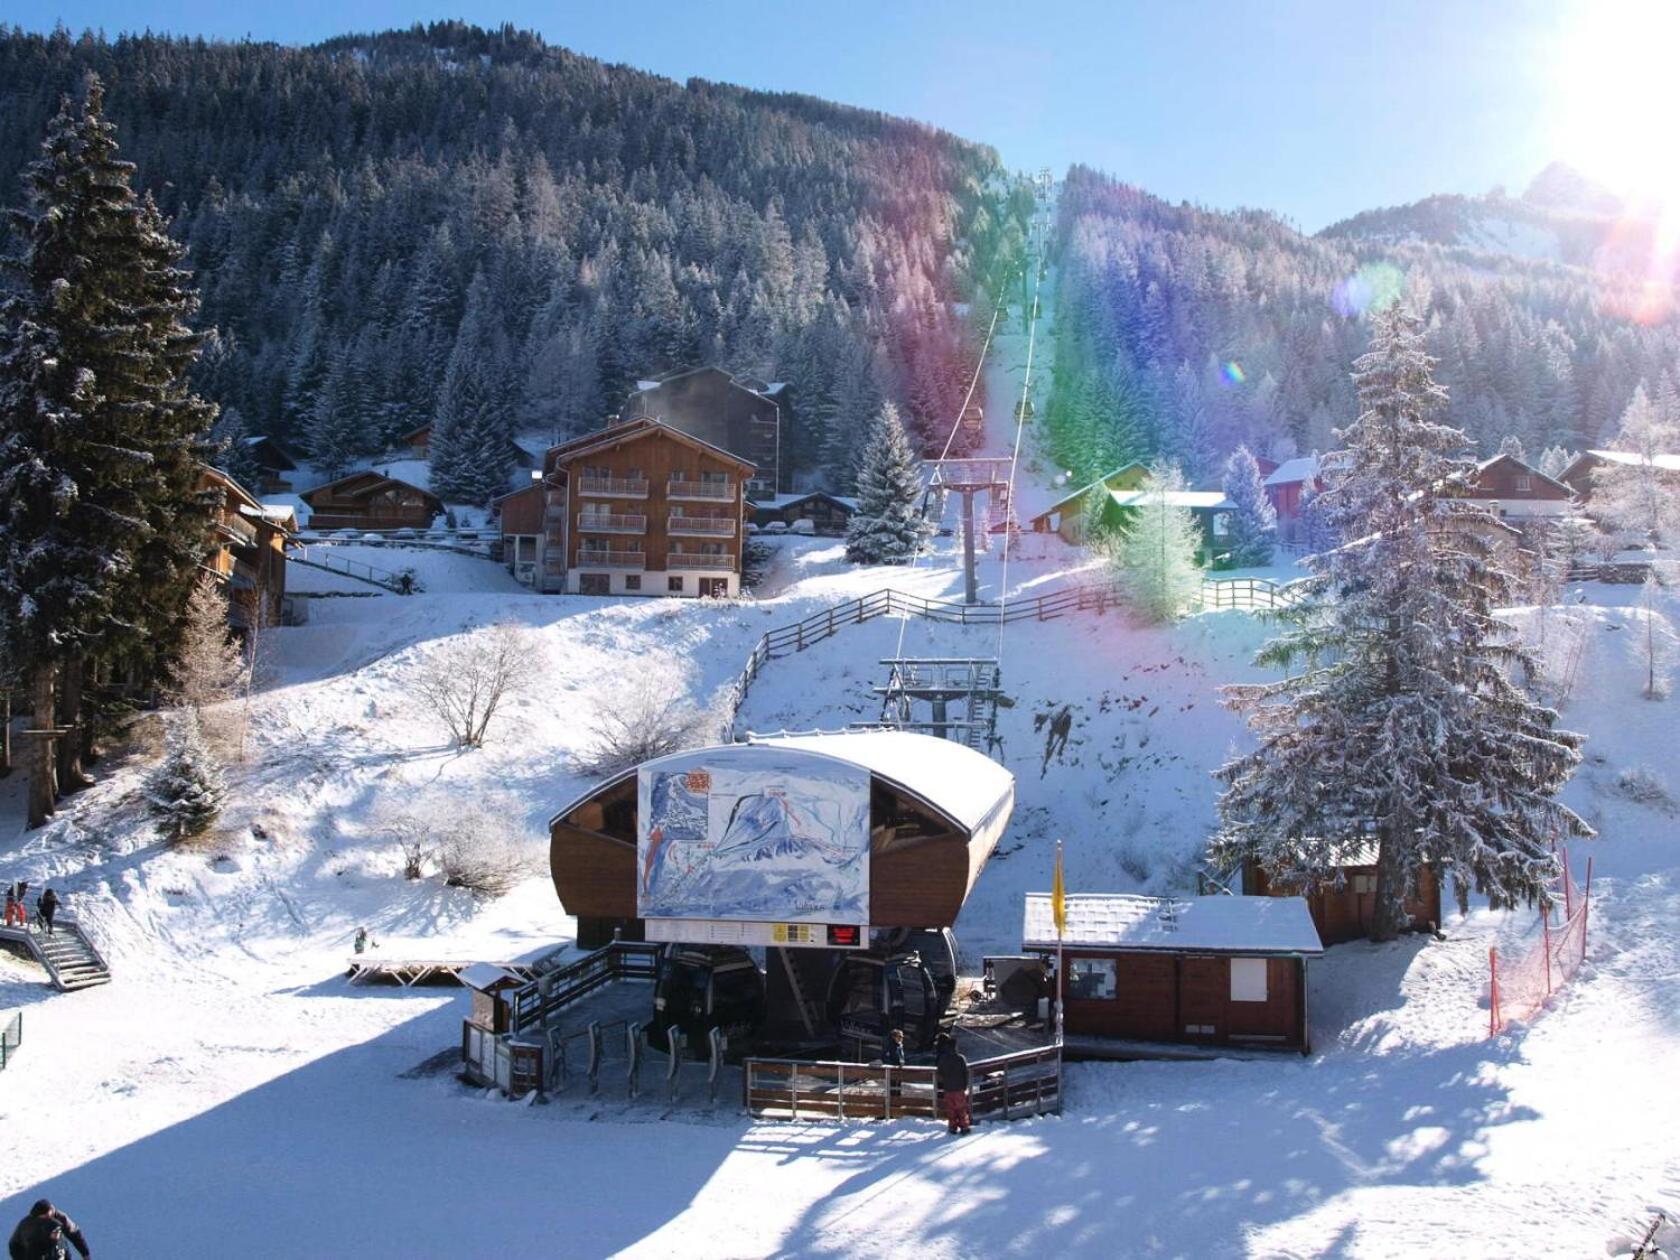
{"x": 17, "y": 909}
{"x": 892, "y": 1054}
{"x": 11, "y": 905}
{"x": 42, "y": 1234}
{"x": 48, "y": 906}
{"x": 951, "y": 1074}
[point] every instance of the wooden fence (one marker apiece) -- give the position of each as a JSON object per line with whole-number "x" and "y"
{"x": 1010, "y": 1086}
{"x": 1249, "y": 593}
{"x": 11, "y": 1037}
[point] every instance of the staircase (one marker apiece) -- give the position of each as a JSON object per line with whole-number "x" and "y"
{"x": 68, "y": 955}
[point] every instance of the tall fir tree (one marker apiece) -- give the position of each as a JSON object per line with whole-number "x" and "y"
{"x": 1405, "y": 727}
{"x": 887, "y": 527}
{"x": 1251, "y": 524}
{"x": 100, "y": 525}
{"x": 1154, "y": 558}
{"x": 474, "y": 429}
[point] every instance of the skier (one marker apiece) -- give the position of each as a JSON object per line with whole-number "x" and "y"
{"x": 42, "y": 1234}
{"x": 951, "y": 1073}
{"x": 48, "y": 906}
{"x": 362, "y": 940}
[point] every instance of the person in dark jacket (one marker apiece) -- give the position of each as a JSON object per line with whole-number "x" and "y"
{"x": 950, "y": 1072}
{"x": 42, "y": 1234}
{"x": 48, "y": 906}
{"x": 892, "y": 1054}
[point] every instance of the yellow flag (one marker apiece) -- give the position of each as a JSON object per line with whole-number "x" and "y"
{"x": 1058, "y": 896}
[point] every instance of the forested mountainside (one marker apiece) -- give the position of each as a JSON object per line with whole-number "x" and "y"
{"x": 1184, "y": 332}
{"x": 473, "y": 227}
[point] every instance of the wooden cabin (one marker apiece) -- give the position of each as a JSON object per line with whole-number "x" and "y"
{"x": 640, "y": 508}
{"x": 517, "y": 1068}
{"x": 1517, "y": 492}
{"x": 1582, "y": 470}
{"x": 1342, "y": 907}
{"x": 1069, "y": 515}
{"x": 829, "y": 514}
{"x": 273, "y": 462}
{"x": 416, "y": 443}
{"x": 935, "y": 810}
{"x": 248, "y": 547}
{"x": 723, "y": 411}
{"x": 519, "y": 515}
{"x": 1288, "y": 487}
{"x": 1211, "y": 971}
{"x": 371, "y": 500}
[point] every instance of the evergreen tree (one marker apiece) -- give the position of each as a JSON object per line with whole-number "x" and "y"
{"x": 1512, "y": 445}
{"x": 887, "y": 527}
{"x": 100, "y": 436}
{"x": 186, "y": 790}
{"x": 470, "y": 440}
{"x": 1154, "y": 560}
{"x": 1554, "y": 460}
{"x": 1638, "y": 501}
{"x": 231, "y": 448}
{"x": 1251, "y": 524}
{"x": 1404, "y": 727}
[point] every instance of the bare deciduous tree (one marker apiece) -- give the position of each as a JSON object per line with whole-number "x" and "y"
{"x": 463, "y": 682}
{"x": 475, "y": 842}
{"x": 210, "y": 667}
{"x": 647, "y": 716}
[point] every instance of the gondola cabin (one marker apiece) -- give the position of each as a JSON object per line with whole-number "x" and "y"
{"x": 1209, "y": 971}
{"x": 1342, "y": 907}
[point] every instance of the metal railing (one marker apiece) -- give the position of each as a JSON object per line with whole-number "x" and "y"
{"x": 11, "y": 1037}
{"x": 355, "y": 569}
{"x": 610, "y": 523}
{"x": 719, "y": 490}
{"x": 1010, "y": 1086}
{"x": 612, "y": 560}
{"x": 621, "y": 487}
{"x": 700, "y": 560}
{"x": 535, "y": 1004}
{"x": 714, "y": 526}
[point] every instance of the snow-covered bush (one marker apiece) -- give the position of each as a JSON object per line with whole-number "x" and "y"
{"x": 1644, "y": 786}
{"x": 464, "y": 681}
{"x": 648, "y": 715}
{"x": 186, "y": 790}
{"x": 477, "y": 843}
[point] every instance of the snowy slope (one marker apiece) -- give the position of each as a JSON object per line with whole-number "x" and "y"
{"x": 231, "y": 1081}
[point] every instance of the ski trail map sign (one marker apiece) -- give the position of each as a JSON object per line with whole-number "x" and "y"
{"x": 752, "y": 833}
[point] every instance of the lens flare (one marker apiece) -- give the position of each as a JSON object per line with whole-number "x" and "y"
{"x": 1373, "y": 287}
{"x": 1233, "y": 373}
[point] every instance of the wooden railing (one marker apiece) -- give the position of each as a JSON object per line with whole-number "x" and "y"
{"x": 701, "y": 525}
{"x": 724, "y": 560}
{"x": 11, "y": 1037}
{"x": 612, "y": 559}
{"x": 721, "y": 490}
{"x": 1026, "y": 1083}
{"x": 623, "y": 487}
{"x": 1249, "y": 592}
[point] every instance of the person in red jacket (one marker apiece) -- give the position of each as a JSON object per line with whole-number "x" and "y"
{"x": 42, "y": 1234}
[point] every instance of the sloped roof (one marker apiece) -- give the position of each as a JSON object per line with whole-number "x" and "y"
{"x": 375, "y": 478}
{"x": 1089, "y": 486}
{"x": 634, "y": 431}
{"x": 1293, "y": 471}
{"x": 1206, "y": 499}
{"x": 1208, "y": 925}
{"x": 1527, "y": 469}
{"x": 775, "y": 502}
{"x": 1665, "y": 460}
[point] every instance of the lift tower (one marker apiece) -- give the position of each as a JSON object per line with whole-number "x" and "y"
{"x": 988, "y": 475}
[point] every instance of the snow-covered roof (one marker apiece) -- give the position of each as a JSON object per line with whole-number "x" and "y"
{"x": 1666, "y": 461}
{"x": 482, "y": 975}
{"x": 1291, "y": 471}
{"x": 643, "y": 385}
{"x": 1216, "y": 924}
{"x": 1174, "y": 498}
{"x": 775, "y": 387}
{"x": 276, "y": 513}
{"x": 775, "y": 502}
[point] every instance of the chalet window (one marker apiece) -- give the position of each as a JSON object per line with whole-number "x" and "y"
{"x": 632, "y": 581}
{"x": 714, "y": 478}
{"x": 1524, "y": 482}
{"x": 1091, "y": 978}
{"x": 674, "y": 584}
{"x": 1248, "y": 979}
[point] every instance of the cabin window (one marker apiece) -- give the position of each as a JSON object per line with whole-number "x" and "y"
{"x": 1523, "y": 482}
{"x": 1091, "y": 978}
{"x": 1364, "y": 885}
{"x": 713, "y": 478}
{"x": 1248, "y": 979}
{"x": 674, "y": 584}
{"x": 632, "y": 581}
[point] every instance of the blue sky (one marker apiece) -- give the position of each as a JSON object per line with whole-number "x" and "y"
{"x": 1311, "y": 108}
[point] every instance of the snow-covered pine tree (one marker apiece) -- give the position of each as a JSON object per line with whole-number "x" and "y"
{"x": 474, "y": 428}
{"x": 1639, "y": 501}
{"x": 1404, "y": 726}
{"x": 186, "y": 790}
{"x": 1154, "y": 560}
{"x": 100, "y": 526}
{"x": 1553, "y": 461}
{"x": 210, "y": 665}
{"x": 1251, "y": 524}
{"x": 887, "y": 527}
{"x": 1512, "y": 445}
{"x": 231, "y": 448}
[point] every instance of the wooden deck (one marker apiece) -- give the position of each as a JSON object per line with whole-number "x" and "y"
{"x": 414, "y": 972}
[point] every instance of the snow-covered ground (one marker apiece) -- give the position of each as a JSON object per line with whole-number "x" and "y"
{"x": 230, "y": 1094}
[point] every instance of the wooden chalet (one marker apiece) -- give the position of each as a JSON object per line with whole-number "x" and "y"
{"x": 1343, "y": 906}
{"x": 1288, "y": 487}
{"x": 1206, "y": 971}
{"x": 724, "y": 411}
{"x": 273, "y": 462}
{"x": 371, "y": 500}
{"x": 416, "y": 443}
{"x": 1069, "y": 516}
{"x": 520, "y": 514}
{"x": 829, "y": 514}
{"x": 1517, "y": 492}
{"x": 937, "y": 810}
{"x": 248, "y": 547}
{"x": 640, "y": 508}
{"x": 1579, "y": 475}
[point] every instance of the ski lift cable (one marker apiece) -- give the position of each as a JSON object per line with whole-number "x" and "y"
{"x": 1015, "y": 455}
{"x": 951, "y": 437}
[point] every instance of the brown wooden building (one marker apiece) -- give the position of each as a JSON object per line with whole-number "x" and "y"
{"x": 723, "y": 411}
{"x": 370, "y": 500}
{"x": 248, "y": 547}
{"x": 640, "y": 508}
{"x": 1342, "y": 907}
{"x": 1579, "y": 475}
{"x": 829, "y": 514}
{"x": 1218, "y": 971}
{"x": 1288, "y": 487}
{"x": 937, "y": 809}
{"x": 274, "y": 463}
{"x": 1518, "y": 493}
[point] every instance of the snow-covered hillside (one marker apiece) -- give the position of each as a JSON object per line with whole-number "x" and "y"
{"x": 229, "y": 1093}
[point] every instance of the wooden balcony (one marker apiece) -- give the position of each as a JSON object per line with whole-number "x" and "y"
{"x": 700, "y": 526}
{"x": 722, "y": 561}
{"x": 591, "y": 558}
{"x": 610, "y": 523}
{"x": 704, "y": 491}
{"x": 613, "y": 487}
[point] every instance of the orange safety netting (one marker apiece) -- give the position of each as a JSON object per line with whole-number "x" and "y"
{"x": 1521, "y": 982}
